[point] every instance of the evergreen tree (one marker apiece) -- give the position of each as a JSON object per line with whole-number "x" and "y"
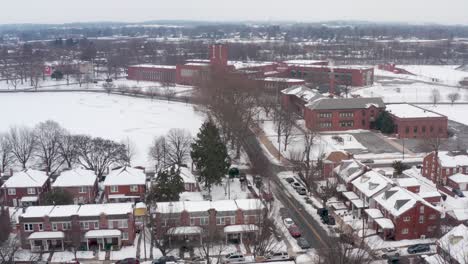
{"x": 168, "y": 186}
{"x": 209, "y": 155}
{"x": 58, "y": 197}
{"x": 384, "y": 123}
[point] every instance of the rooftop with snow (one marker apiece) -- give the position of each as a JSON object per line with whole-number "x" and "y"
{"x": 26, "y": 178}
{"x": 75, "y": 177}
{"x": 125, "y": 176}
{"x": 80, "y": 210}
{"x": 410, "y": 111}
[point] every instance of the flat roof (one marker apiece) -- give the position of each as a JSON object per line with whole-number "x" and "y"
{"x": 410, "y": 111}
{"x": 103, "y": 233}
{"x": 44, "y": 235}
{"x": 154, "y": 66}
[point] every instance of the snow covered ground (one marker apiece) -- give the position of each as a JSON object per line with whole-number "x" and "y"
{"x": 446, "y": 74}
{"x": 108, "y": 116}
{"x": 457, "y": 113}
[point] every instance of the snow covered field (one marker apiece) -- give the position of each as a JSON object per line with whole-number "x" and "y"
{"x": 457, "y": 113}
{"x": 108, "y": 116}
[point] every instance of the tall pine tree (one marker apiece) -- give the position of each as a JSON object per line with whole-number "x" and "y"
{"x": 209, "y": 155}
{"x": 167, "y": 188}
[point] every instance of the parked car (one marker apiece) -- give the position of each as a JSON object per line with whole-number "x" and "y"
{"x": 277, "y": 255}
{"x": 233, "y": 258}
{"x": 288, "y": 222}
{"x": 164, "y": 260}
{"x": 393, "y": 260}
{"x": 322, "y": 212}
{"x": 368, "y": 161}
{"x": 296, "y": 185}
{"x": 458, "y": 192}
{"x": 128, "y": 261}
{"x": 308, "y": 200}
{"x": 389, "y": 252}
{"x": 328, "y": 219}
{"x": 301, "y": 190}
{"x": 289, "y": 180}
{"x": 302, "y": 243}
{"x": 294, "y": 231}
{"x": 418, "y": 248}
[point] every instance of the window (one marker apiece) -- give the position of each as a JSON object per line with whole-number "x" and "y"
{"x": 431, "y": 228}
{"x": 11, "y": 191}
{"x": 66, "y": 226}
{"x": 84, "y": 225}
{"x": 406, "y": 218}
{"x": 41, "y": 227}
{"x": 363, "y": 112}
{"x": 119, "y": 223}
{"x": 363, "y": 122}
{"x": 407, "y": 130}
{"x": 404, "y": 231}
{"x": 325, "y": 124}
{"x": 421, "y": 210}
{"x": 31, "y": 191}
{"x": 54, "y": 226}
{"x": 82, "y": 189}
{"x": 415, "y": 129}
{"x": 192, "y": 221}
{"x": 232, "y": 220}
{"x": 432, "y": 217}
{"x": 325, "y": 115}
{"x": 346, "y": 114}
{"x": 134, "y": 188}
{"x": 28, "y": 227}
{"x": 220, "y": 221}
{"x": 124, "y": 236}
{"x": 114, "y": 189}
{"x": 421, "y": 219}
{"x": 96, "y": 225}
{"x": 346, "y": 123}
{"x": 423, "y": 129}
{"x": 431, "y": 129}
{"x": 204, "y": 221}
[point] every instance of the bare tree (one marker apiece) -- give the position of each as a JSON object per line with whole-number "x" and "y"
{"x": 8, "y": 249}
{"x": 169, "y": 93}
{"x": 130, "y": 149}
{"x": 435, "y": 96}
{"x": 123, "y": 88}
{"x": 23, "y": 144}
{"x": 6, "y": 155}
{"x": 339, "y": 251}
{"x": 68, "y": 149}
{"x": 179, "y": 143}
{"x": 48, "y": 136}
{"x": 453, "y": 97}
{"x": 213, "y": 247}
{"x": 284, "y": 122}
{"x": 108, "y": 87}
{"x": 159, "y": 153}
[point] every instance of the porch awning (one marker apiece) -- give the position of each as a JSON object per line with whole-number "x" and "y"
{"x": 122, "y": 196}
{"x": 27, "y": 199}
{"x": 240, "y": 229}
{"x": 358, "y": 203}
{"x": 46, "y": 235}
{"x": 374, "y": 213}
{"x": 385, "y": 223}
{"x": 350, "y": 195}
{"x": 101, "y": 233}
{"x": 185, "y": 230}
{"x": 341, "y": 188}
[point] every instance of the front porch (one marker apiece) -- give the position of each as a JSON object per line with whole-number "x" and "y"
{"x": 29, "y": 201}
{"x": 237, "y": 232}
{"x": 103, "y": 239}
{"x": 185, "y": 234}
{"x": 122, "y": 198}
{"x": 46, "y": 241}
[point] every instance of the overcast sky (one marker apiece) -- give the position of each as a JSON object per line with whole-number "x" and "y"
{"x": 64, "y": 11}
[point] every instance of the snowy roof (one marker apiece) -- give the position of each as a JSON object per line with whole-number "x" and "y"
{"x": 204, "y": 206}
{"x": 29, "y": 199}
{"x": 81, "y": 210}
{"x": 350, "y": 195}
{"x": 302, "y": 92}
{"x": 450, "y": 159}
{"x": 108, "y": 209}
{"x": 103, "y": 233}
{"x": 410, "y": 111}
{"x": 201, "y": 64}
{"x": 37, "y": 211}
{"x": 346, "y": 103}
{"x": 125, "y": 176}
{"x": 238, "y": 65}
{"x": 461, "y": 214}
{"x": 26, "y": 178}
{"x": 185, "y": 230}
{"x": 459, "y": 178}
{"x": 396, "y": 200}
{"x": 305, "y": 62}
{"x": 385, "y": 223}
{"x": 154, "y": 66}
{"x": 45, "y": 235}
{"x": 455, "y": 243}
{"x": 358, "y": 203}
{"x": 278, "y": 79}
{"x": 240, "y": 228}
{"x": 371, "y": 183}
{"x": 407, "y": 182}
{"x": 75, "y": 177}
{"x": 348, "y": 170}
{"x": 373, "y": 213}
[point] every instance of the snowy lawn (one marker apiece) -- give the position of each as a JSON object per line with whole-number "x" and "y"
{"x": 108, "y": 116}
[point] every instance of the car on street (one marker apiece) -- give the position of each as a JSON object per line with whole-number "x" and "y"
{"x": 164, "y": 260}
{"x": 328, "y": 219}
{"x": 233, "y": 258}
{"x": 289, "y": 180}
{"x": 389, "y": 252}
{"x": 128, "y": 261}
{"x": 302, "y": 243}
{"x": 296, "y": 185}
{"x": 277, "y": 256}
{"x": 418, "y": 248}
{"x": 393, "y": 260}
{"x": 301, "y": 190}
{"x": 307, "y": 200}
{"x": 370, "y": 161}
{"x": 294, "y": 231}
{"x": 458, "y": 192}
{"x": 288, "y": 222}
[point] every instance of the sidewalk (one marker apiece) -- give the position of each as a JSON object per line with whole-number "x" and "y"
{"x": 269, "y": 146}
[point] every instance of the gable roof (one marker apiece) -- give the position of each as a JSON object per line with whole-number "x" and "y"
{"x": 455, "y": 243}
{"x": 302, "y": 92}
{"x": 125, "y": 176}
{"x": 348, "y": 170}
{"x": 26, "y": 178}
{"x": 75, "y": 177}
{"x": 451, "y": 159}
{"x": 371, "y": 183}
{"x": 346, "y": 103}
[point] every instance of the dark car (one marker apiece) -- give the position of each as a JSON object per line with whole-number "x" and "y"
{"x": 393, "y": 260}
{"x": 322, "y": 212}
{"x": 164, "y": 259}
{"x": 418, "y": 248}
{"x": 458, "y": 192}
{"x": 368, "y": 161}
{"x": 128, "y": 261}
{"x": 289, "y": 180}
{"x": 302, "y": 242}
{"x": 328, "y": 219}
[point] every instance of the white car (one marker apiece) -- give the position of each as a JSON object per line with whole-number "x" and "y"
{"x": 288, "y": 222}
{"x": 278, "y": 256}
{"x": 233, "y": 258}
{"x": 389, "y": 252}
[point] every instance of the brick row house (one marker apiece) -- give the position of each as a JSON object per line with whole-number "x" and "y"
{"x": 25, "y": 188}
{"x": 81, "y": 184}
{"x": 94, "y": 226}
{"x": 295, "y": 98}
{"x": 234, "y": 219}
{"x": 342, "y": 114}
{"x": 439, "y": 166}
{"x": 125, "y": 184}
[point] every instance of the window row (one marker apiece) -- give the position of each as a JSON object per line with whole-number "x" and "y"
{"x": 115, "y": 188}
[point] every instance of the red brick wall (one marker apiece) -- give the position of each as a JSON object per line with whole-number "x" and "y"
{"x": 415, "y": 228}
{"x": 88, "y": 197}
{"x": 406, "y": 127}
{"x": 165, "y": 74}
{"x": 22, "y": 192}
{"x": 125, "y": 190}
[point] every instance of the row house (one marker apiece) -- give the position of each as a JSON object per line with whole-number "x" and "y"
{"x": 458, "y": 181}
{"x": 347, "y": 171}
{"x": 295, "y": 98}
{"x": 25, "y": 188}
{"x": 341, "y": 114}
{"x": 414, "y": 122}
{"x": 400, "y": 214}
{"x": 439, "y": 166}
{"x": 452, "y": 247}
{"x": 81, "y": 184}
{"x": 125, "y": 184}
{"x": 94, "y": 226}
{"x": 235, "y": 219}
{"x": 332, "y": 160}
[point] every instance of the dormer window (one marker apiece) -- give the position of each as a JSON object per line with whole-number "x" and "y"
{"x": 372, "y": 185}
